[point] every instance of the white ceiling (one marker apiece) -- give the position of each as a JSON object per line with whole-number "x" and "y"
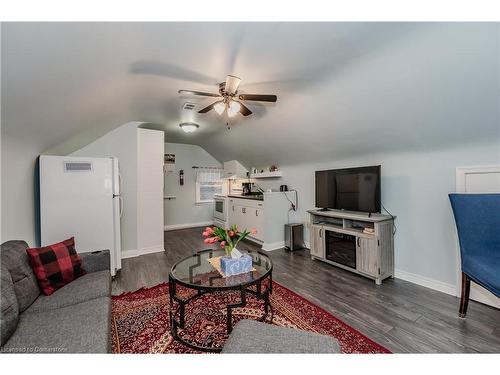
{"x": 343, "y": 88}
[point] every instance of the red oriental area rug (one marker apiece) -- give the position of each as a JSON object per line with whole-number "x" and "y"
{"x": 140, "y": 321}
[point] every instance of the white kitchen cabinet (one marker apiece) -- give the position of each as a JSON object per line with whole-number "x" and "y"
{"x": 259, "y": 221}
{"x": 247, "y": 215}
{"x": 267, "y": 216}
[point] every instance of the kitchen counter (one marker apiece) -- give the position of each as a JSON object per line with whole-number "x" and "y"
{"x": 252, "y": 197}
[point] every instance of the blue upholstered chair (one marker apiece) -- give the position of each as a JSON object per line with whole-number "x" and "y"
{"x": 478, "y": 223}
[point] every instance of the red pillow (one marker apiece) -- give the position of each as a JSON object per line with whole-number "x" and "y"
{"x": 55, "y": 265}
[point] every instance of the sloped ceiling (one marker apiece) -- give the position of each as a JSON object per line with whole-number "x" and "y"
{"x": 343, "y": 88}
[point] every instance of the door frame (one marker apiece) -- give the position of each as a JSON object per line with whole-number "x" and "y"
{"x": 461, "y": 187}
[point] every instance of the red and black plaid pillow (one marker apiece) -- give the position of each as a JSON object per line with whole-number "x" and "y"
{"x": 55, "y": 265}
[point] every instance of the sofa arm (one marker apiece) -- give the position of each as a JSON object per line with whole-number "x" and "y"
{"x": 96, "y": 261}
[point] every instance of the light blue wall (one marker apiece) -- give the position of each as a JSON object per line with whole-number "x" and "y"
{"x": 183, "y": 210}
{"x": 414, "y": 188}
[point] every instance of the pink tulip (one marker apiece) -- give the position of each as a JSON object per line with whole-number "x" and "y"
{"x": 253, "y": 231}
{"x": 223, "y": 244}
{"x": 206, "y": 240}
{"x": 231, "y": 233}
{"x": 206, "y": 234}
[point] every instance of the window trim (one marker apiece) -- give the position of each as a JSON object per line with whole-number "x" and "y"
{"x": 198, "y": 200}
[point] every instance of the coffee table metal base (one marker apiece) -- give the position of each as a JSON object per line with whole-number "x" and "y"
{"x": 180, "y": 310}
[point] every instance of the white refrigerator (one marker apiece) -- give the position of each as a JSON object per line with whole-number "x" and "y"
{"x": 80, "y": 197}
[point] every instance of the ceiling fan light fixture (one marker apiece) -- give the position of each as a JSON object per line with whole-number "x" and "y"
{"x": 219, "y": 107}
{"x": 189, "y": 127}
{"x": 232, "y": 83}
{"x": 234, "y": 108}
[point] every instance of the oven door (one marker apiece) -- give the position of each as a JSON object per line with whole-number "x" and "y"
{"x": 220, "y": 209}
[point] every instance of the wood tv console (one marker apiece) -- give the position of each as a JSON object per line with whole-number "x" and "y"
{"x": 337, "y": 236}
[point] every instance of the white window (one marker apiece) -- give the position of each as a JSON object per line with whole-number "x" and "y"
{"x": 208, "y": 183}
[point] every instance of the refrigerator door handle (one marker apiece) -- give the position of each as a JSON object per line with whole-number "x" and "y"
{"x": 121, "y": 205}
{"x": 119, "y": 183}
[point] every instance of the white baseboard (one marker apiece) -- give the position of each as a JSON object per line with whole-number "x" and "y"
{"x": 143, "y": 251}
{"x": 426, "y": 282}
{"x": 188, "y": 225}
{"x": 269, "y": 246}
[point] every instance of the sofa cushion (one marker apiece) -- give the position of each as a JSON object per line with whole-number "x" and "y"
{"x": 250, "y": 336}
{"x": 14, "y": 257}
{"x": 10, "y": 308}
{"x": 85, "y": 288}
{"x": 55, "y": 265}
{"x": 81, "y": 328}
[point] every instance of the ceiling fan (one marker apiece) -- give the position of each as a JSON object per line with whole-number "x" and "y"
{"x": 230, "y": 100}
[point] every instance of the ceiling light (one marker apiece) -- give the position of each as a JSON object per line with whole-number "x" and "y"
{"x": 219, "y": 107}
{"x": 234, "y": 108}
{"x": 231, "y": 85}
{"x": 189, "y": 127}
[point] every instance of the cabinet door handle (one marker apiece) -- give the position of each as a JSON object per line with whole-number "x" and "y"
{"x": 358, "y": 241}
{"x": 320, "y": 232}
{"x": 233, "y": 208}
{"x": 244, "y": 210}
{"x": 256, "y": 212}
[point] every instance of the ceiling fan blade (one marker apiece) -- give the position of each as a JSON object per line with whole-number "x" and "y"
{"x": 259, "y": 98}
{"x": 232, "y": 84}
{"x": 200, "y": 93}
{"x": 244, "y": 110}
{"x": 210, "y": 107}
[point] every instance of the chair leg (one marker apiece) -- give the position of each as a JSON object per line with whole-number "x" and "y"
{"x": 464, "y": 300}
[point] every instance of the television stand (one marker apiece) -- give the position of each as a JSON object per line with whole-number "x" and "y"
{"x": 354, "y": 241}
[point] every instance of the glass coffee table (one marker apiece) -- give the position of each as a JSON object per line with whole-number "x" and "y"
{"x": 198, "y": 277}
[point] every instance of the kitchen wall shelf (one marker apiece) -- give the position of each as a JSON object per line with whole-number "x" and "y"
{"x": 267, "y": 174}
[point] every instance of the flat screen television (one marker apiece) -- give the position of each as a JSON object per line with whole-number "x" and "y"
{"x": 352, "y": 189}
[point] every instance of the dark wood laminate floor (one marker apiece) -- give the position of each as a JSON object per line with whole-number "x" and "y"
{"x": 402, "y": 316}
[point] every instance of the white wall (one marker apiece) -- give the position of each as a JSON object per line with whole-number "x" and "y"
{"x": 121, "y": 143}
{"x": 414, "y": 188}
{"x": 183, "y": 211}
{"x": 150, "y": 221}
{"x": 18, "y": 203}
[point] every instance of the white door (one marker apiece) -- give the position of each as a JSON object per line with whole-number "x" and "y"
{"x": 485, "y": 179}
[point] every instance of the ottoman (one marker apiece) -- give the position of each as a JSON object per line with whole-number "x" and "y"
{"x": 250, "y": 336}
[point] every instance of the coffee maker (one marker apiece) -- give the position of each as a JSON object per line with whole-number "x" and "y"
{"x": 246, "y": 188}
